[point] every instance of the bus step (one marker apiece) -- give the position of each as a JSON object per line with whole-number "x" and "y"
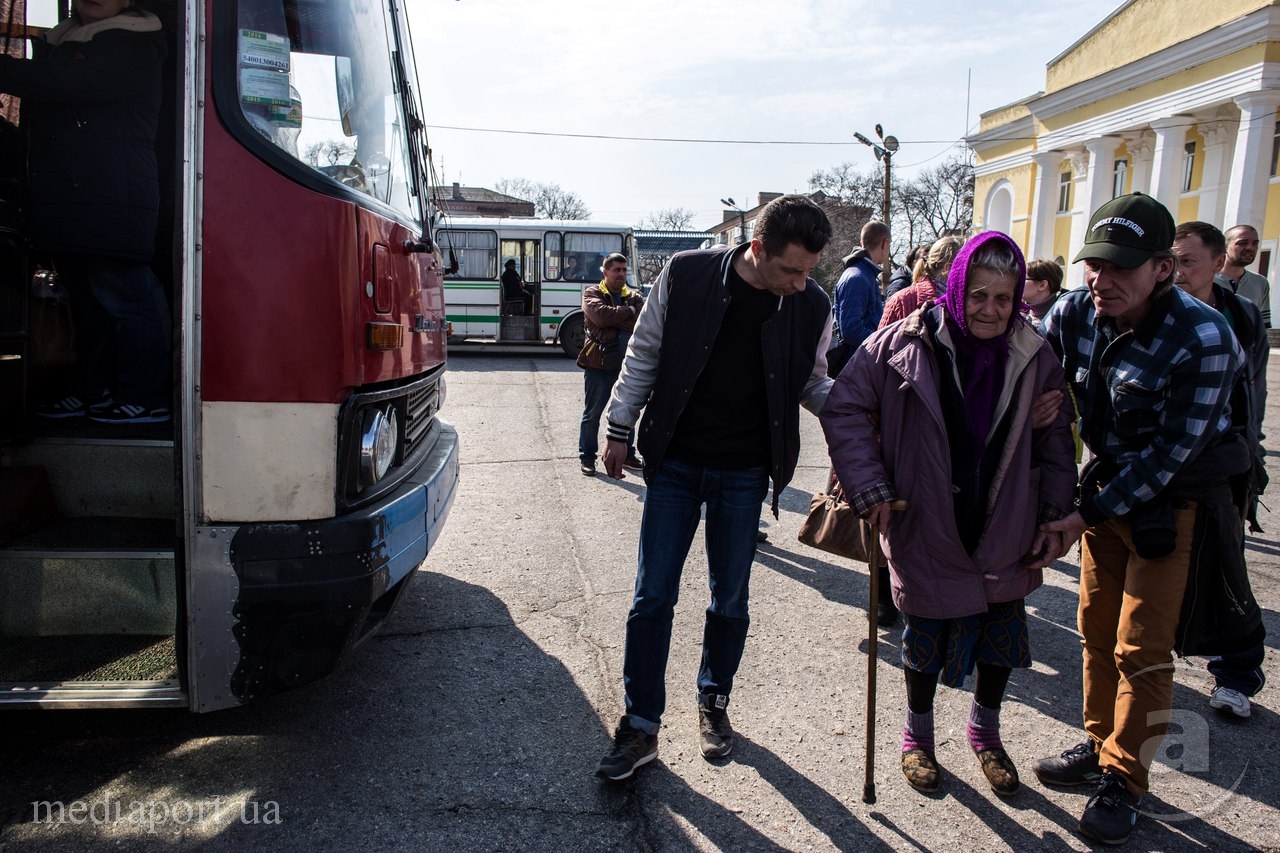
{"x": 93, "y": 694}
{"x": 102, "y": 476}
{"x": 90, "y": 537}
{"x": 88, "y": 657}
{"x": 90, "y": 576}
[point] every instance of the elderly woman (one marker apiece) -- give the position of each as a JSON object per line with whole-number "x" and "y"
{"x": 938, "y": 410}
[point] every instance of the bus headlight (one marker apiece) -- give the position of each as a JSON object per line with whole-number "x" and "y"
{"x": 379, "y": 438}
{"x": 441, "y": 393}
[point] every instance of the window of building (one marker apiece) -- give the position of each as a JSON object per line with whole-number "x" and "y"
{"x": 1064, "y": 192}
{"x": 1188, "y": 165}
{"x": 1118, "y": 176}
{"x": 1275, "y": 151}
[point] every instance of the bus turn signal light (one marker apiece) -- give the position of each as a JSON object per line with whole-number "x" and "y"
{"x": 384, "y": 336}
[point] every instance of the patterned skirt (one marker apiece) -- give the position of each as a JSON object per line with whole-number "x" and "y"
{"x": 952, "y": 647}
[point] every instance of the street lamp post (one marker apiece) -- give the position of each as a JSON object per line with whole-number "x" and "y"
{"x": 742, "y": 217}
{"x": 883, "y": 152}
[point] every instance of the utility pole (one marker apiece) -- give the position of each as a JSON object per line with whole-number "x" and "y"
{"x": 883, "y": 152}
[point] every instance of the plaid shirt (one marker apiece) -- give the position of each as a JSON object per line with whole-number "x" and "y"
{"x": 1151, "y": 398}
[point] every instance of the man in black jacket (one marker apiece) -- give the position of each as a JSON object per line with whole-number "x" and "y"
{"x": 730, "y": 343}
{"x": 1201, "y": 252}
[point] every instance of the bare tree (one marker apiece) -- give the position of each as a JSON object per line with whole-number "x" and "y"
{"x": 847, "y": 219}
{"x": 671, "y": 219}
{"x": 330, "y": 152}
{"x": 940, "y": 199}
{"x": 549, "y": 200}
{"x": 936, "y": 202}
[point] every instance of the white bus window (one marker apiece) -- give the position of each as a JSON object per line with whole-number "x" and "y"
{"x": 586, "y": 253}
{"x": 476, "y": 251}
{"x": 316, "y": 80}
{"x": 552, "y": 255}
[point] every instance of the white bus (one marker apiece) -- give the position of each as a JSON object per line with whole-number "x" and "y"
{"x": 556, "y": 261}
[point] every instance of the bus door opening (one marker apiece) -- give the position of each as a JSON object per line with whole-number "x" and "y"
{"x": 521, "y": 310}
{"x": 89, "y": 534}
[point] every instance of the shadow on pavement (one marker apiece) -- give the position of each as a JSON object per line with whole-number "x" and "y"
{"x": 417, "y": 745}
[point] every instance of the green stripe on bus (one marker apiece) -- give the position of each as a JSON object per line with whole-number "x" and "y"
{"x": 492, "y": 318}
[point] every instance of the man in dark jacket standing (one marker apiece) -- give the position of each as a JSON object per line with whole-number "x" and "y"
{"x": 1201, "y": 252}
{"x": 90, "y": 106}
{"x": 1152, "y": 370}
{"x": 730, "y": 344}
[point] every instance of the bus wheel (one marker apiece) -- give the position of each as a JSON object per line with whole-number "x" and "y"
{"x": 572, "y": 336}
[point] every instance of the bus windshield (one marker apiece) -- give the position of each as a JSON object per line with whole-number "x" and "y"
{"x": 316, "y": 80}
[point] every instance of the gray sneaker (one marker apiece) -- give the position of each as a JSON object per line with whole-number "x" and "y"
{"x": 715, "y": 733}
{"x": 632, "y": 748}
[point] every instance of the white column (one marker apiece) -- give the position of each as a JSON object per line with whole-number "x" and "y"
{"x": 1218, "y": 131}
{"x": 1251, "y": 163}
{"x": 1079, "y": 217}
{"x": 1166, "y": 163}
{"x": 1140, "y": 149}
{"x": 1044, "y": 204}
{"x": 1102, "y": 159}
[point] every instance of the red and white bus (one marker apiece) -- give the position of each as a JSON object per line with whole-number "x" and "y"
{"x": 253, "y": 543}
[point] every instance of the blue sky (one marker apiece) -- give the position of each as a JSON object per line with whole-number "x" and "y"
{"x": 724, "y": 69}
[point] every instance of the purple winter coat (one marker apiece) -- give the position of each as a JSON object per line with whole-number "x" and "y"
{"x": 892, "y": 380}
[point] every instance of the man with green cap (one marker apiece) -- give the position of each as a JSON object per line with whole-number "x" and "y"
{"x": 1152, "y": 370}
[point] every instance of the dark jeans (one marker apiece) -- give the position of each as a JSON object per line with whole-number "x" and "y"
{"x": 1240, "y": 671}
{"x": 122, "y": 329}
{"x": 597, "y": 385}
{"x": 673, "y": 503}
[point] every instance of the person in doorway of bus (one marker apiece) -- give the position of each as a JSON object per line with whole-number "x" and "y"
{"x": 731, "y": 342}
{"x": 611, "y": 309}
{"x": 91, "y": 95}
{"x": 517, "y": 299}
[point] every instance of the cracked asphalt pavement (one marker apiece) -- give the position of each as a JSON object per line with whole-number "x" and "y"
{"x": 475, "y": 720}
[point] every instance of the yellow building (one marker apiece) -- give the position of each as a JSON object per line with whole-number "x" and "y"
{"x": 1173, "y": 98}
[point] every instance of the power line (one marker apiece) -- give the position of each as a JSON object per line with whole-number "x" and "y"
{"x": 669, "y": 138}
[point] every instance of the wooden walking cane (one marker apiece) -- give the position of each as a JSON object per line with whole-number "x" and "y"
{"x": 873, "y": 643}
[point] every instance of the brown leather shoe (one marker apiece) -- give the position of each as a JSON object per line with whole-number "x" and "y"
{"x": 999, "y": 770}
{"x": 921, "y": 769}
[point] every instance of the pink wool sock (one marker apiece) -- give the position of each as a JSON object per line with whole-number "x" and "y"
{"x": 984, "y": 727}
{"x": 918, "y": 732}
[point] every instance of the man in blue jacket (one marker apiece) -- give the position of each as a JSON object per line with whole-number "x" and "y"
{"x": 858, "y": 303}
{"x": 729, "y": 345}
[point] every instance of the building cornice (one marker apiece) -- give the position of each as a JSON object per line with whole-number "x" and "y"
{"x": 1020, "y": 128}
{"x": 1005, "y": 164}
{"x": 1243, "y": 81}
{"x": 1257, "y": 27}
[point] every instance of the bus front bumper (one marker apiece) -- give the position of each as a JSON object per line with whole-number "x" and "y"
{"x": 311, "y": 591}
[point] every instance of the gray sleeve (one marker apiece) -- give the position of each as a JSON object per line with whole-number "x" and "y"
{"x": 640, "y": 366}
{"x": 816, "y": 387}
